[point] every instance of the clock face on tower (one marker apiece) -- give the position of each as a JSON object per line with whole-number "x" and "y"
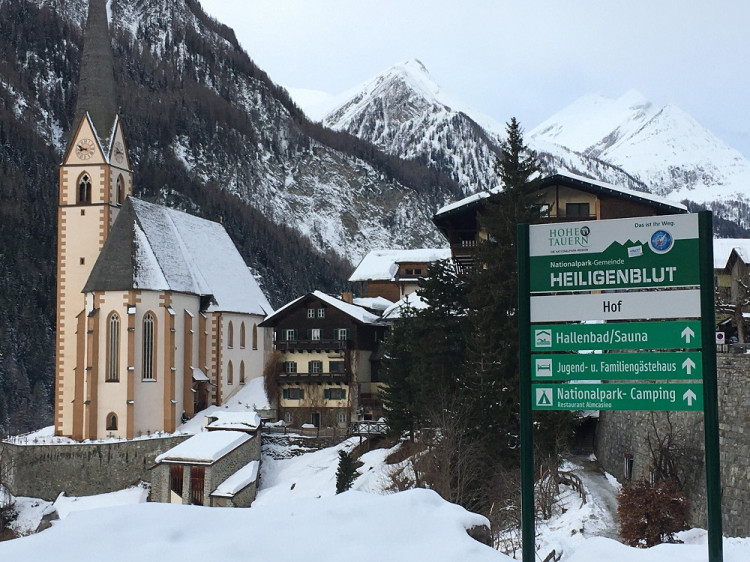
{"x": 119, "y": 152}
{"x": 85, "y": 149}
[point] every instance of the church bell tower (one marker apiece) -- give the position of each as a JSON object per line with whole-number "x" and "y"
{"x": 95, "y": 177}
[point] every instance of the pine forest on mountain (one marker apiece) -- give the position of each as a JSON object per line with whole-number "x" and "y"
{"x": 168, "y": 97}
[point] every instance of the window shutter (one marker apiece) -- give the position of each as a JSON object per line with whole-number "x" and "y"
{"x": 285, "y": 394}
{"x": 327, "y": 394}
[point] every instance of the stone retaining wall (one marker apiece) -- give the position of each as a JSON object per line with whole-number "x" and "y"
{"x": 621, "y": 435}
{"x": 81, "y": 469}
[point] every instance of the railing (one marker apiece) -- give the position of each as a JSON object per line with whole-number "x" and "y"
{"x": 369, "y": 428}
{"x": 313, "y": 377}
{"x": 312, "y": 345}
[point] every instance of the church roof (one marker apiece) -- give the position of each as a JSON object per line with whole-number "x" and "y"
{"x": 155, "y": 248}
{"x": 97, "y": 91}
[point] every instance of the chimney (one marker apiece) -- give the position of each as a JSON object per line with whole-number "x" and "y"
{"x": 347, "y": 297}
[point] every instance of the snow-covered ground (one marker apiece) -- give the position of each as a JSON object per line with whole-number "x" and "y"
{"x": 297, "y": 515}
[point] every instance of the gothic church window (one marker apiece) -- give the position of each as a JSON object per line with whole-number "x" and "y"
{"x": 84, "y": 189}
{"x": 230, "y": 373}
{"x": 120, "y": 190}
{"x": 242, "y": 372}
{"x": 255, "y": 336}
{"x": 242, "y": 335}
{"x": 111, "y": 421}
{"x": 149, "y": 329}
{"x": 230, "y": 335}
{"x": 113, "y": 348}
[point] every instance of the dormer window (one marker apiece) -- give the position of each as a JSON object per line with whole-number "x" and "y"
{"x": 84, "y": 189}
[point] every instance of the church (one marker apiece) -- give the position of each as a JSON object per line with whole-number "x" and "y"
{"x": 157, "y": 313}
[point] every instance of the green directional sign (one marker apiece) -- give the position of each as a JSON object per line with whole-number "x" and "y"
{"x": 610, "y": 396}
{"x": 644, "y": 252}
{"x": 617, "y": 366}
{"x": 616, "y": 335}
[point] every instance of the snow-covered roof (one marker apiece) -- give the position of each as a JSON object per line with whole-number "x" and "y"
{"x": 373, "y": 303}
{"x": 151, "y": 247}
{"x": 358, "y": 313}
{"x": 629, "y": 193}
{"x": 412, "y": 300}
{"x": 205, "y": 448}
{"x": 240, "y": 421}
{"x": 238, "y": 481}
{"x": 723, "y": 249}
{"x": 382, "y": 265}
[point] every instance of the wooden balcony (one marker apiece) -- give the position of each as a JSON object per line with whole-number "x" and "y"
{"x": 313, "y": 378}
{"x": 312, "y": 345}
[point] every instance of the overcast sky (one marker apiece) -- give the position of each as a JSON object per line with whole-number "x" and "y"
{"x": 522, "y": 58}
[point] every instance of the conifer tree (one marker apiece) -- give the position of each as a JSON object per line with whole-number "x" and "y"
{"x": 346, "y": 472}
{"x": 490, "y": 382}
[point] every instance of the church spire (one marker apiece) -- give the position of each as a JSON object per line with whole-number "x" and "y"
{"x": 96, "y": 84}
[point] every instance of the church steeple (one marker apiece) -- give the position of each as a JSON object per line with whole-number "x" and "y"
{"x": 97, "y": 93}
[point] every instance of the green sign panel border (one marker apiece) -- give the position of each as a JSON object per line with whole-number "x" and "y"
{"x": 672, "y": 397}
{"x": 677, "y": 365}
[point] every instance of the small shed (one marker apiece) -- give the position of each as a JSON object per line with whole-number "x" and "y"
{"x": 196, "y": 468}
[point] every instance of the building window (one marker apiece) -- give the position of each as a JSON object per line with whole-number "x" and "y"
{"x": 149, "y": 335}
{"x": 288, "y": 417}
{"x": 111, "y": 421}
{"x": 418, "y": 271}
{"x": 336, "y": 366}
{"x": 230, "y": 335}
{"x": 577, "y": 210}
{"x": 242, "y": 335}
{"x": 290, "y": 334}
{"x": 255, "y": 336}
{"x": 242, "y": 372}
{"x": 409, "y": 271}
{"x": 84, "y": 189}
{"x": 628, "y": 472}
{"x": 113, "y": 349}
{"x": 342, "y": 334}
{"x": 341, "y": 417}
{"x": 293, "y": 394}
{"x": 311, "y": 313}
{"x": 321, "y": 313}
{"x": 175, "y": 479}
{"x": 315, "y": 367}
{"x": 334, "y": 394}
{"x": 290, "y": 366}
{"x": 120, "y": 190}
{"x": 230, "y": 373}
{"x": 315, "y": 334}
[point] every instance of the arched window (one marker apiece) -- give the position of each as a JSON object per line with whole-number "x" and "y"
{"x": 149, "y": 335}
{"x": 230, "y": 373}
{"x": 230, "y": 334}
{"x": 113, "y": 348}
{"x": 84, "y": 189}
{"x": 111, "y": 421}
{"x": 242, "y": 335}
{"x": 255, "y": 336}
{"x": 242, "y": 372}
{"x": 120, "y": 190}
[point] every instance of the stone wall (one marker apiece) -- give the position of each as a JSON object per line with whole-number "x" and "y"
{"x": 621, "y": 435}
{"x": 83, "y": 469}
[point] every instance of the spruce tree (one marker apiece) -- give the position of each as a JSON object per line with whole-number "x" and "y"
{"x": 490, "y": 382}
{"x": 346, "y": 472}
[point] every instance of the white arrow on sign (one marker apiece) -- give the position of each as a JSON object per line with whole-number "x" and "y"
{"x": 689, "y": 396}
{"x": 688, "y": 334}
{"x": 688, "y": 365}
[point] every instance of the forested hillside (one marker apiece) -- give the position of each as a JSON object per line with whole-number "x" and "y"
{"x": 207, "y": 132}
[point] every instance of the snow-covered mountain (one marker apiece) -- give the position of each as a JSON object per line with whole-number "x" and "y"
{"x": 664, "y": 147}
{"x": 406, "y": 113}
{"x": 626, "y": 141}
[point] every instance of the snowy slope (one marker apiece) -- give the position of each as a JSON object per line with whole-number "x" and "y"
{"x": 405, "y": 112}
{"x": 664, "y": 147}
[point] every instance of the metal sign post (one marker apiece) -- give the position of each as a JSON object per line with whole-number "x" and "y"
{"x": 641, "y": 286}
